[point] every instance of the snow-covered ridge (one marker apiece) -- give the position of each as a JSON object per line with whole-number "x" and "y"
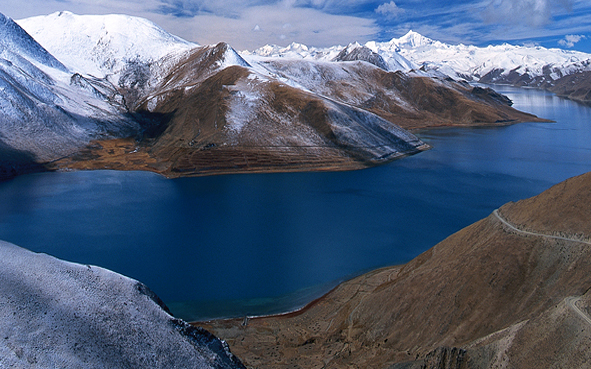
{"x": 102, "y": 45}
{"x": 114, "y": 45}
{"x": 15, "y": 41}
{"x": 296, "y": 51}
{"x": 56, "y": 314}
{"x": 471, "y": 62}
{"x": 392, "y": 60}
{"x": 46, "y": 110}
{"x": 414, "y": 51}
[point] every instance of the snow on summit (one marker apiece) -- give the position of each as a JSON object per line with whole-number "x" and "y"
{"x": 472, "y": 62}
{"x": 413, "y": 51}
{"x": 45, "y": 110}
{"x": 392, "y": 60}
{"x": 101, "y": 45}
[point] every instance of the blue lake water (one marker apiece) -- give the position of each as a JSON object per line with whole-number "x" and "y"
{"x": 262, "y": 243}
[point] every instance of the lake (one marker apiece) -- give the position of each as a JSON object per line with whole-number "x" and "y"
{"x": 252, "y": 244}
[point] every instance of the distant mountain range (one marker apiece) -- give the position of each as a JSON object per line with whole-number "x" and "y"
{"x": 119, "y": 92}
{"x": 531, "y": 66}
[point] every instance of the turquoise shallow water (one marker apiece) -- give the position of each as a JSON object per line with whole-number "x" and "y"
{"x": 264, "y": 243}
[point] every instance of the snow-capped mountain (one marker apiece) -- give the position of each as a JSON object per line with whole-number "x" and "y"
{"x": 46, "y": 111}
{"x": 386, "y": 59}
{"x": 218, "y": 103}
{"x": 492, "y": 64}
{"x": 519, "y": 65}
{"x": 295, "y": 51}
{"x": 103, "y": 45}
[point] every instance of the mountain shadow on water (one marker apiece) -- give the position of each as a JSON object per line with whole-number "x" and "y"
{"x": 15, "y": 162}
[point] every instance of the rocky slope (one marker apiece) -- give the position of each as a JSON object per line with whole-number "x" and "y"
{"x": 509, "y": 291}
{"x": 410, "y": 100}
{"x": 220, "y": 113}
{"x": 55, "y": 314}
{"x": 576, "y": 86}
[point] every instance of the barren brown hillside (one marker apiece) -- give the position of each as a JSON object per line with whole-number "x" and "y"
{"x": 489, "y": 296}
{"x": 214, "y": 113}
{"x": 575, "y": 86}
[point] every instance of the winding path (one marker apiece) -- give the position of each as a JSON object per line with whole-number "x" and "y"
{"x": 511, "y": 226}
{"x": 572, "y": 300}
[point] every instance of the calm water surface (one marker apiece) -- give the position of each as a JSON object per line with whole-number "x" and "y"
{"x": 262, "y": 243}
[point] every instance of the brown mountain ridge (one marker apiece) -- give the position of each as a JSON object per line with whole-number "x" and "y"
{"x": 215, "y": 113}
{"x": 510, "y": 291}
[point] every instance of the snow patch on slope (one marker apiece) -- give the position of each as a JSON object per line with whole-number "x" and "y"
{"x": 242, "y": 108}
{"x": 59, "y": 314}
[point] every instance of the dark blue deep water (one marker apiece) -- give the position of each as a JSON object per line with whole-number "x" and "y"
{"x": 262, "y": 243}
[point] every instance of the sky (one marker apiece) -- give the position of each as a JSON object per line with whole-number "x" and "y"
{"x": 251, "y": 24}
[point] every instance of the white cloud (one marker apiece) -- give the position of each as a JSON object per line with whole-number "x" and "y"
{"x": 390, "y": 10}
{"x": 18, "y": 9}
{"x": 534, "y": 13}
{"x": 570, "y": 40}
{"x": 277, "y": 25}
{"x": 281, "y": 22}
{"x": 323, "y": 23}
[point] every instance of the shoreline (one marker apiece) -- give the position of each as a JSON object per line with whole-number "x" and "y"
{"x": 302, "y": 310}
{"x": 128, "y": 155}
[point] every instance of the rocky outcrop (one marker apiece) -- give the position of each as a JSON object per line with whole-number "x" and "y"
{"x": 361, "y": 53}
{"x": 440, "y": 358}
{"x": 59, "y": 314}
{"x": 576, "y": 86}
{"x": 512, "y": 290}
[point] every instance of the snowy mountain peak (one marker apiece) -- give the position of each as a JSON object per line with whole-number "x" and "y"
{"x": 352, "y": 46}
{"x": 296, "y": 46}
{"x": 293, "y": 50}
{"x": 412, "y": 39}
{"x": 102, "y": 45}
{"x": 357, "y": 52}
{"x": 228, "y": 56}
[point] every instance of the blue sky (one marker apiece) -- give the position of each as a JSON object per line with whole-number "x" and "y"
{"x": 253, "y": 23}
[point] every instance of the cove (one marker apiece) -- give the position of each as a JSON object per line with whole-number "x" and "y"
{"x": 252, "y": 244}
